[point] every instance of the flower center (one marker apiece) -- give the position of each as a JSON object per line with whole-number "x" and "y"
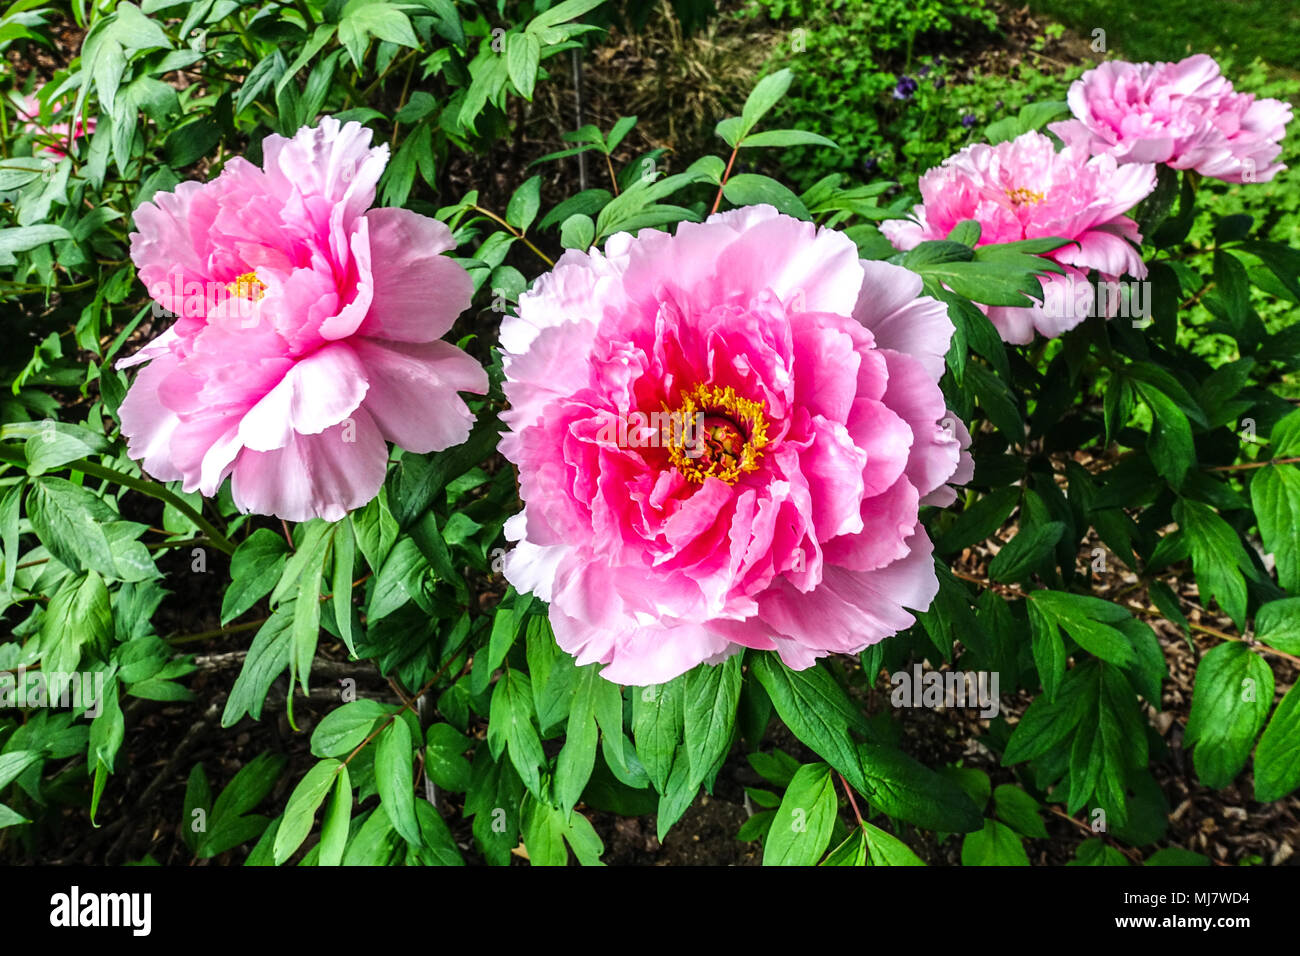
{"x": 1021, "y": 196}
{"x": 716, "y": 434}
{"x": 247, "y": 286}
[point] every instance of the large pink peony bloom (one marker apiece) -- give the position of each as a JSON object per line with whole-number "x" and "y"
{"x": 1185, "y": 114}
{"x": 1025, "y": 189}
{"x": 723, "y": 438}
{"x": 307, "y": 331}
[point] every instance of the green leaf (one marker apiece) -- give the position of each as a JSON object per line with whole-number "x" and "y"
{"x": 967, "y": 232}
{"x": 995, "y": 845}
{"x": 1230, "y": 702}
{"x": 1049, "y": 720}
{"x": 51, "y": 444}
{"x": 577, "y": 232}
{"x": 676, "y": 798}
{"x": 979, "y": 521}
{"x": 1170, "y": 442}
{"x": 439, "y": 847}
{"x": 1033, "y": 547}
{"x": 657, "y": 720}
{"x": 1019, "y": 811}
{"x": 70, "y": 520}
{"x": 1285, "y": 437}
{"x": 786, "y": 137}
{"x": 1275, "y": 497}
{"x": 26, "y": 238}
{"x": 198, "y": 796}
{"x": 230, "y": 823}
{"x": 510, "y": 727}
{"x": 493, "y": 800}
{"x": 10, "y": 817}
{"x": 553, "y": 674}
{"x": 306, "y": 620}
{"x": 524, "y": 204}
{"x": 1218, "y": 557}
{"x": 1048, "y": 650}
{"x": 375, "y": 529}
{"x": 362, "y": 19}
{"x": 802, "y": 827}
{"x": 852, "y": 852}
{"x": 523, "y": 54}
{"x": 561, "y": 13}
{"x": 730, "y": 130}
{"x": 1277, "y": 759}
{"x": 267, "y": 658}
{"x": 338, "y": 816}
{"x": 751, "y": 189}
{"x": 887, "y": 850}
{"x": 543, "y": 830}
{"x": 394, "y": 779}
{"x": 709, "y": 718}
{"x": 78, "y": 614}
{"x": 1176, "y": 856}
{"x": 1095, "y": 852}
{"x": 578, "y": 755}
{"x": 302, "y": 806}
{"x": 345, "y": 556}
{"x": 1088, "y": 620}
{"x": 444, "y": 759}
{"x": 998, "y": 403}
{"x": 765, "y": 95}
{"x": 255, "y": 567}
{"x": 1278, "y": 625}
{"x": 342, "y": 729}
{"x": 14, "y": 763}
{"x": 814, "y": 708}
{"x": 902, "y": 787}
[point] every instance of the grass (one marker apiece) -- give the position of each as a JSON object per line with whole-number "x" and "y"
{"x": 1172, "y": 29}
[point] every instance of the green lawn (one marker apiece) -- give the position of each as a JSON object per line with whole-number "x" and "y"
{"x": 1171, "y": 29}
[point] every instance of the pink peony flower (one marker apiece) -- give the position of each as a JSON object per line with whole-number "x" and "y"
{"x": 1185, "y": 114}
{"x": 723, "y": 439}
{"x": 51, "y": 139}
{"x": 308, "y": 330}
{"x": 1025, "y": 189}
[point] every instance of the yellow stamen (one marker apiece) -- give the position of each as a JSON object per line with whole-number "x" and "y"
{"x": 718, "y": 434}
{"x": 1024, "y": 197}
{"x": 248, "y": 285}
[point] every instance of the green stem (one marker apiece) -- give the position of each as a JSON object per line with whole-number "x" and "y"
{"x": 155, "y": 490}
{"x": 516, "y": 233}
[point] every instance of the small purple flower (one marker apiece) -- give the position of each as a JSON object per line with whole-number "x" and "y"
{"x": 939, "y": 82}
{"x": 869, "y": 166}
{"x": 968, "y": 120}
{"x": 998, "y": 105}
{"x": 905, "y": 87}
{"x": 924, "y": 71}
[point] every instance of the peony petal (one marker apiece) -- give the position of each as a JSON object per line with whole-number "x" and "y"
{"x": 412, "y": 395}
{"x": 314, "y": 476}
{"x": 418, "y": 292}
{"x": 316, "y": 393}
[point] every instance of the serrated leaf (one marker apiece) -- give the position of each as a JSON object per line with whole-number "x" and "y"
{"x": 1231, "y": 698}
